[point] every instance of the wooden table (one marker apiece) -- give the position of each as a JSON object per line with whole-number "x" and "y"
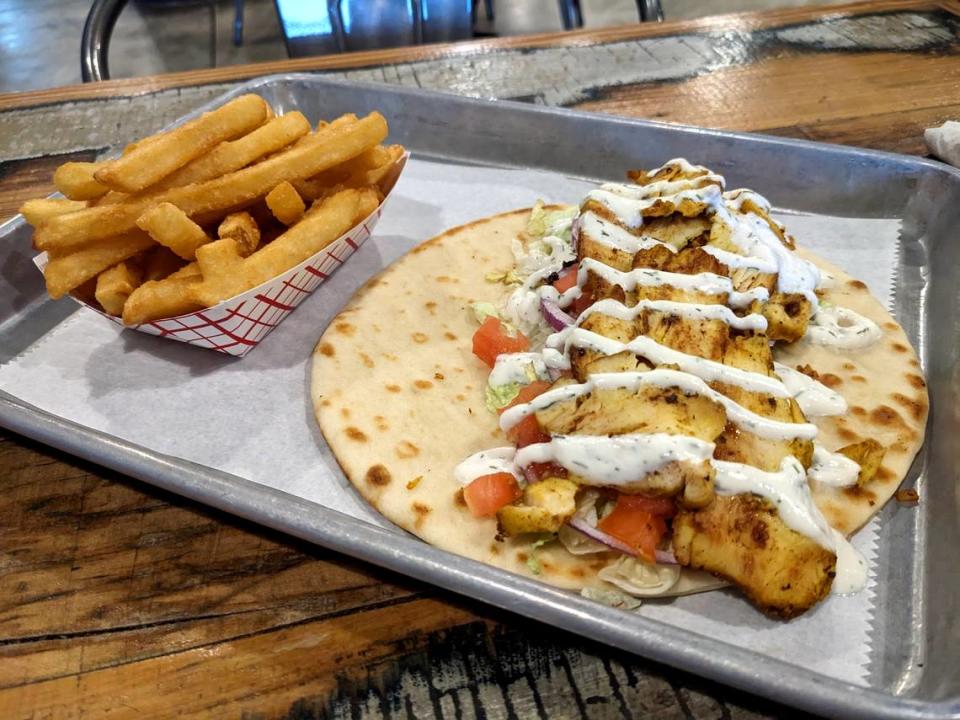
{"x": 117, "y": 599}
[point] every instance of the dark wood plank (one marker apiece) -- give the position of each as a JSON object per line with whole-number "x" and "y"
{"x": 24, "y": 179}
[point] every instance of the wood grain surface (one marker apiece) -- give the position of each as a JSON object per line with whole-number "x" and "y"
{"x": 118, "y": 600}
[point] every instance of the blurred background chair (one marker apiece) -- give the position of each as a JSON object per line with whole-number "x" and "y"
{"x": 317, "y": 27}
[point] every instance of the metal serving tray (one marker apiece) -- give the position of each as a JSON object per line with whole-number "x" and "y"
{"x": 919, "y": 677}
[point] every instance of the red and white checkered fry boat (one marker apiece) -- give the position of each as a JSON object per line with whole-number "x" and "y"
{"x": 235, "y": 326}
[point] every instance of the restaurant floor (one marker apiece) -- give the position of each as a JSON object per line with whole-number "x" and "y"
{"x": 40, "y": 39}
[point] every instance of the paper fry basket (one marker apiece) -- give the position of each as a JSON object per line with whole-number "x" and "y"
{"x": 236, "y": 325}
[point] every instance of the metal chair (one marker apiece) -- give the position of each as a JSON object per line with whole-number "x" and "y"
{"x": 572, "y": 16}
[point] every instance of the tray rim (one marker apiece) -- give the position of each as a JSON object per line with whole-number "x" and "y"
{"x": 745, "y": 669}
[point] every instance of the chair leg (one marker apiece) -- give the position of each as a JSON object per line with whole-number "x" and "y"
{"x": 488, "y": 7}
{"x": 567, "y": 14}
{"x": 213, "y": 33}
{"x": 238, "y": 23}
{"x": 650, "y": 10}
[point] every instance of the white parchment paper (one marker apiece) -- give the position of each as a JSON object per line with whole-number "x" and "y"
{"x": 252, "y": 416}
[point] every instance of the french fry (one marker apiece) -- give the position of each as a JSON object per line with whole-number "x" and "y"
{"x": 368, "y": 168}
{"x": 285, "y": 204}
{"x": 114, "y": 286}
{"x": 243, "y": 230}
{"x": 228, "y": 157}
{"x": 170, "y": 226}
{"x": 190, "y": 270}
{"x": 160, "y": 262}
{"x": 226, "y": 274}
{"x": 65, "y": 272}
{"x": 331, "y": 146}
{"x": 150, "y": 162}
{"x": 157, "y": 299}
{"x": 38, "y": 211}
{"x": 76, "y": 181}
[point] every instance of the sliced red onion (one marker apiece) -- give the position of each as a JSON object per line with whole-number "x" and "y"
{"x": 664, "y": 557}
{"x": 575, "y": 234}
{"x": 554, "y": 373}
{"x": 554, "y": 315}
{"x": 600, "y": 536}
{"x": 530, "y": 475}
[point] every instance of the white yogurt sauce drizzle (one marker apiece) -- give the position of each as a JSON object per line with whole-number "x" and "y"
{"x": 513, "y": 368}
{"x": 843, "y": 328}
{"x": 662, "y": 378}
{"x": 697, "y": 311}
{"x": 705, "y": 283}
{"x": 833, "y": 469}
{"x": 487, "y": 462}
{"x": 619, "y": 460}
{"x": 613, "y": 236}
{"x": 813, "y": 397}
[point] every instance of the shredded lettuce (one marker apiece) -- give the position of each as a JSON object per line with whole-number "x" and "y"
{"x": 639, "y": 578}
{"x": 544, "y": 222}
{"x": 483, "y": 310}
{"x": 612, "y": 597}
{"x": 532, "y": 562}
{"x": 499, "y": 396}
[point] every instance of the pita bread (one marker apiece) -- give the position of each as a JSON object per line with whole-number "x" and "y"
{"x": 399, "y": 394}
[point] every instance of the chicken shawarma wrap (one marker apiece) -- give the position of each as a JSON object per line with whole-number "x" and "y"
{"x": 650, "y": 394}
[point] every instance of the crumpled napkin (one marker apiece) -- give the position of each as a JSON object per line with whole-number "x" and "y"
{"x": 944, "y": 141}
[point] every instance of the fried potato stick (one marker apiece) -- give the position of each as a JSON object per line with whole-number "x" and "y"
{"x": 114, "y": 286}
{"x": 170, "y": 226}
{"x": 243, "y": 230}
{"x": 65, "y": 272}
{"x": 285, "y": 204}
{"x": 76, "y": 181}
{"x": 226, "y": 274}
{"x": 328, "y": 147}
{"x": 38, "y": 211}
{"x": 157, "y": 299}
{"x": 228, "y": 157}
{"x": 150, "y": 162}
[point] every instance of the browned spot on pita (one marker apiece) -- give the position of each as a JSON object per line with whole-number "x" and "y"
{"x": 857, "y": 284}
{"x": 858, "y": 378}
{"x": 378, "y": 475}
{"x": 899, "y": 347}
{"x": 393, "y": 388}
{"x": 886, "y": 415}
{"x": 442, "y": 279}
{"x": 391, "y": 357}
{"x": 376, "y": 328}
{"x": 438, "y": 376}
{"x": 858, "y": 411}
{"x": 917, "y": 381}
{"x": 849, "y": 366}
{"x": 406, "y": 450}
{"x": 458, "y": 499}
{"x": 522, "y": 556}
{"x": 422, "y": 511}
{"x": 381, "y": 422}
{"x": 468, "y": 387}
{"x": 423, "y": 384}
{"x": 577, "y": 572}
{"x": 831, "y": 380}
{"x": 884, "y": 473}
{"x": 356, "y": 434}
{"x": 326, "y": 348}
{"x": 325, "y": 403}
{"x": 914, "y": 363}
{"x": 545, "y": 566}
{"x": 891, "y": 325}
{"x": 494, "y": 549}
{"x": 345, "y": 328}
{"x": 345, "y": 412}
{"x": 431, "y": 307}
{"x": 847, "y": 434}
{"x": 450, "y": 336}
{"x": 860, "y": 493}
{"x": 419, "y": 337}
{"x": 461, "y": 397}
{"x": 916, "y": 409}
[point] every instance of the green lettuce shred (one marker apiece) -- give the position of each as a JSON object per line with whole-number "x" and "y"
{"x": 500, "y": 396}
{"x": 483, "y": 310}
{"x": 532, "y": 562}
{"x": 542, "y": 220}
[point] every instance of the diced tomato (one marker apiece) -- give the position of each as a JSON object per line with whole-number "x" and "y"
{"x": 580, "y": 304}
{"x": 664, "y": 507}
{"x": 567, "y": 279}
{"x": 492, "y": 339}
{"x": 528, "y": 393}
{"x": 488, "y": 493}
{"x": 637, "y": 527}
{"x": 527, "y": 432}
{"x": 545, "y": 470}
